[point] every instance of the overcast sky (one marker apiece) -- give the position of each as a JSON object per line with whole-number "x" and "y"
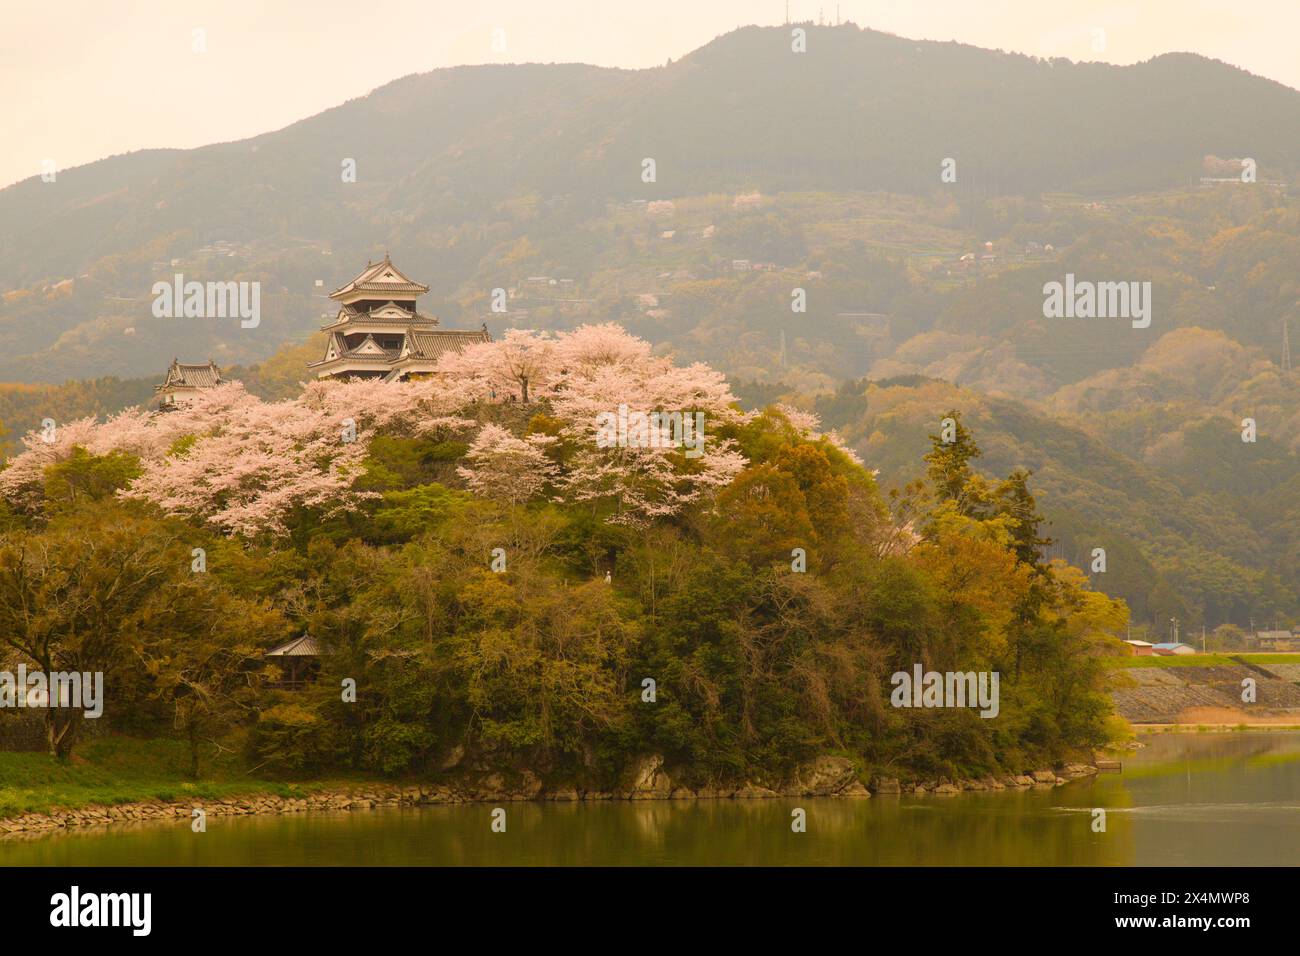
{"x": 85, "y": 79}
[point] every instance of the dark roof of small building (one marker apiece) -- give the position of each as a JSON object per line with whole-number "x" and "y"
{"x": 435, "y": 343}
{"x": 190, "y": 376}
{"x": 304, "y": 646}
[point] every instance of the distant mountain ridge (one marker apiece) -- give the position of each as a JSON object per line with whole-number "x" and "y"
{"x": 859, "y": 110}
{"x": 477, "y": 177}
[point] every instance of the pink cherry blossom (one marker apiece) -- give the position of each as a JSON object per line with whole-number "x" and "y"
{"x": 505, "y": 468}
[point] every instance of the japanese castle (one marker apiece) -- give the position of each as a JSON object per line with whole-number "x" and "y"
{"x": 379, "y": 332}
{"x": 182, "y": 381}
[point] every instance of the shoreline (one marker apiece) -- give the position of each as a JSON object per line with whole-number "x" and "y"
{"x": 1214, "y": 728}
{"x": 378, "y": 796}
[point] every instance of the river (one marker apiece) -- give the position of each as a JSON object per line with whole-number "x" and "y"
{"x": 1184, "y": 799}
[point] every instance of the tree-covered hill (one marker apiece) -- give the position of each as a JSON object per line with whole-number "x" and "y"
{"x": 1207, "y": 534}
{"x": 509, "y": 592}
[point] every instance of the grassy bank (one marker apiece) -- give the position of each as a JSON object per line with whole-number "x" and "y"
{"x": 117, "y": 770}
{"x": 1215, "y": 728}
{"x": 1187, "y": 660}
{"x": 1224, "y": 659}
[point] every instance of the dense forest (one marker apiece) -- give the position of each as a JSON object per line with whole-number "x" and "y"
{"x": 499, "y": 586}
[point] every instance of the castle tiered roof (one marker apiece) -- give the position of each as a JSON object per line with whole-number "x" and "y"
{"x": 380, "y": 333}
{"x": 391, "y": 313}
{"x": 380, "y": 280}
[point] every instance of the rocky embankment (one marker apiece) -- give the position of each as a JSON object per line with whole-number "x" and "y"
{"x": 648, "y": 780}
{"x": 1165, "y": 695}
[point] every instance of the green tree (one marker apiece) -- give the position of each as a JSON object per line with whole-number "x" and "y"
{"x": 85, "y": 594}
{"x": 949, "y": 470}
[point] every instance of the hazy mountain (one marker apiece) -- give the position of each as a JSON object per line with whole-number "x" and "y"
{"x": 441, "y": 156}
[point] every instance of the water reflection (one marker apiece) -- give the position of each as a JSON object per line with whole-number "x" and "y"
{"x": 1183, "y": 800}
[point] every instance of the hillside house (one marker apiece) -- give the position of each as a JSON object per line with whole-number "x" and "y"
{"x": 1279, "y": 640}
{"x": 299, "y": 662}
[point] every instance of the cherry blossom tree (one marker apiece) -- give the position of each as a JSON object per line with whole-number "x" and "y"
{"x": 505, "y": 468}
{"x": 243, "y": 465}
{"x": 229, "y": 459}
{"x": 423, "y": 406}
{"x": 651, "y": 472}
{"x": 22, "y": 480}
{"x": 149, "y": 436}
{"x": 594, "y": 346}
{"x": 520, "y": 363}
{"x": 247, "y": 475}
